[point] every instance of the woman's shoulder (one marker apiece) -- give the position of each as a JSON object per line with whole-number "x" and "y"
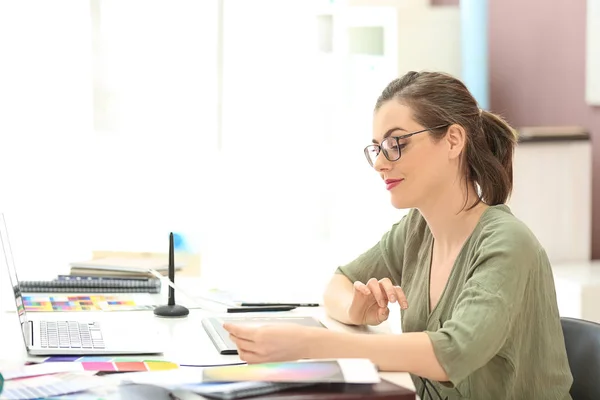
{"x": 500, "y": 220}
{"x": 499, "y": 228}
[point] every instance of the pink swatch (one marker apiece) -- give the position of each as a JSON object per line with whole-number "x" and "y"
{"x": 98, "y": 366}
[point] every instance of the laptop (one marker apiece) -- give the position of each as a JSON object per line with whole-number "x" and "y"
{"x": 73, "y": 335}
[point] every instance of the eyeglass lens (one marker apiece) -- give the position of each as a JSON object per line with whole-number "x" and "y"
{"x": 390, "y": 148}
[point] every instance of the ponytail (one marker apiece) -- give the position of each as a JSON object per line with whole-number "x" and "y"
{"x": 490, "y": 161}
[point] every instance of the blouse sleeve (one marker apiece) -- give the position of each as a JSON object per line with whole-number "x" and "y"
{"x": 384, "y": 260}
{"x": 483, "y": 313}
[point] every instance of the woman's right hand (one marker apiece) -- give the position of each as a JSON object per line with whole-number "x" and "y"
{"x": 370, "y": 301}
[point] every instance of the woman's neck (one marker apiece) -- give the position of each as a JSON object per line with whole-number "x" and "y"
{"x": 449, "y": 218}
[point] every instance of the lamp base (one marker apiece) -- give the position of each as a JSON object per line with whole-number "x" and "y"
{"x": 175, "y": 311}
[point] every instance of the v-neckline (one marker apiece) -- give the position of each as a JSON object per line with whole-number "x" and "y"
{"x": 431, "y": 311}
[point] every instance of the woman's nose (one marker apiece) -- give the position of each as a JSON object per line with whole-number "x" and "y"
{"x": 381, "y": 163}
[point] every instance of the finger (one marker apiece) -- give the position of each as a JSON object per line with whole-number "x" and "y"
{"x": 244, "y": 332}
{"x": 382, "y": 314}
{"x": 373, "y": 285}
{"x": 241, "y": 341}
{"x": 362, "y": 288}
{"x": 388, "y": 288}
{"x": 401, "y": 297}
{"x": 244, "y": 345}
{"x": 248, "y": 356}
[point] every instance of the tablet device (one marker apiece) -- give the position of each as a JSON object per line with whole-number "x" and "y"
{"x": 220, "y": 337}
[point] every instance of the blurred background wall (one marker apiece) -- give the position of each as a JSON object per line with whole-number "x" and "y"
{"x": 537, "y": 56}
{"x": 537, "y": 70}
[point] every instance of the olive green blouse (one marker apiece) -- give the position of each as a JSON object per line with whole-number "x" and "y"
{"x": 496, "y": 329}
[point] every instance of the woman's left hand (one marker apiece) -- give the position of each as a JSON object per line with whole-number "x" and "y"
{"x": 270, "y": 343}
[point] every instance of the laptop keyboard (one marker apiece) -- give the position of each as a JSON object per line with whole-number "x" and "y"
{"x": 71, "y": 335}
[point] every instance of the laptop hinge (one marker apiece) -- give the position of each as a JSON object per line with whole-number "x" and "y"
{"x": 30, "y": 333}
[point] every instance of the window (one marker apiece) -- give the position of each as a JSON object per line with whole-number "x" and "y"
{"x": 239, "y": 127}
{"x": 155, "y": 118}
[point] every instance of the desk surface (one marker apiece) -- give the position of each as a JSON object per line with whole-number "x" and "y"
{"x": 186, "y": 342}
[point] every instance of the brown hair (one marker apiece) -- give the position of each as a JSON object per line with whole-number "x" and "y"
{"x": 438, "y": 99}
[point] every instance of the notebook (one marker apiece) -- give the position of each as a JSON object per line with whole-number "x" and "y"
{"x": 220, "y": 337}
{"x": 125, "y": 265}
{"x": 92, "y": 285}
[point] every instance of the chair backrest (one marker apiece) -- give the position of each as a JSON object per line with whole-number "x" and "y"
{"x": 582, "y": 339}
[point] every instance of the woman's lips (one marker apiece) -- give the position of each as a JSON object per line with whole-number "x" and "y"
{"x": 392, "y": 183}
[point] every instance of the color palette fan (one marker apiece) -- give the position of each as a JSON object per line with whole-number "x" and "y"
{"x": 82, "y": 303}
{"x": 308, "y": 371}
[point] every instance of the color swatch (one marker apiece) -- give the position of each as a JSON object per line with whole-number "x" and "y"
{"x": 132, "y": 366}
{"x": 115, "y": 364}
{"x": 50, "y": 385}
{"x": 82, "y": 303}
{"x": 309, "y": 371}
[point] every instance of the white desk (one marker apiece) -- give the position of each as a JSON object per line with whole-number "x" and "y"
{"x": 186, "y": 342}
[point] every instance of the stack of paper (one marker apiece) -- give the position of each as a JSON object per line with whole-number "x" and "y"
{"x": 121, "y": 267}
{"x": 238, "y": 381}
{"x": 231, "y": 381}
{"x": 56, "y": 378}
{"x": 45, "y": 386}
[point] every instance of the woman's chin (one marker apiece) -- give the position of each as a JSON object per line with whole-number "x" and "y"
{"x": 401, "y": 203}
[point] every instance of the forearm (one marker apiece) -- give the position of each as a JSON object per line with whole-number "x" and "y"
{"x": 407, "y": 352}
{"x": 338, "y": 297}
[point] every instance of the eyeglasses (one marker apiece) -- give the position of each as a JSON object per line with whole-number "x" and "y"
{"x": 391, "y": 147}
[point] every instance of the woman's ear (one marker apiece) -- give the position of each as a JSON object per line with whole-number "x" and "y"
{"x": 456, "y": 138}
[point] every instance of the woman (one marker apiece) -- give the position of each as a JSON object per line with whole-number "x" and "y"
{"x": 479, "y": 312}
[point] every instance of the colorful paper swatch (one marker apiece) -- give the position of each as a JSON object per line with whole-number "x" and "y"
{"x": 82, "y": 303}
{"x": 306, "y": 371}
{"x": 50, "y": 385}
{"x": 132, "y": 366}
{"x": 34, "y": 369}
{"x": 115, "y": 364}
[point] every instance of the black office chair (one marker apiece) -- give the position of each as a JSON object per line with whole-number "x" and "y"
{"x": 582, "y": 339}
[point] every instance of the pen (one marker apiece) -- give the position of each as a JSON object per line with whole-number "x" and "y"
{"x": 244, "y": 309}
{"x": 244, "y": 304}
{"x": 223, "y": 307}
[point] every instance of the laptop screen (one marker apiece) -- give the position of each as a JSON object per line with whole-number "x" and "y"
{"x": 12, "y": 273}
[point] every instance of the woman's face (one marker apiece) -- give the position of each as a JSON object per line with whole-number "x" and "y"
{"x": 425, "y": 166}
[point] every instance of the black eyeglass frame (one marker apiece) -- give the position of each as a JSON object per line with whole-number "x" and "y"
{"x": 381, "y": 150}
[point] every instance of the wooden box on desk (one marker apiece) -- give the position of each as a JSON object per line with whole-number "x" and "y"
{"x": 191, "y": 261}
{"x": 383, "y": 390}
